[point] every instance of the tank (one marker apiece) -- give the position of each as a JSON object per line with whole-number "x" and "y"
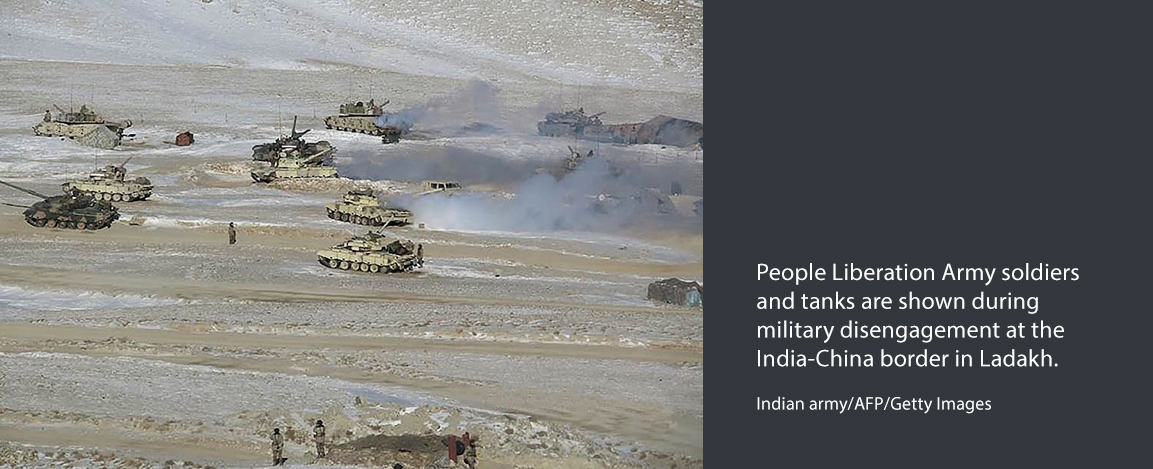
{"x": 372, "y": 252}
{"x": 362, "y": 207}
{"x": 567, "y": 123}
{"x": 291, "y": 157}
{"x": 109, "y": 184}
{"x": 76, "y": 210}
{"x": 361, "y": 117}
{"x": 76, "y": 124}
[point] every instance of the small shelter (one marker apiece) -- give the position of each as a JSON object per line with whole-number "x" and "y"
{"x": 677, "y": 292}
{"x": 184, "y": 139}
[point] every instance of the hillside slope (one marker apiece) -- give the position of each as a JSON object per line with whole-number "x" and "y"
{"x": 650, "y": 44}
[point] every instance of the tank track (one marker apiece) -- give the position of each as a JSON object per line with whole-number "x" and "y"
{"x": 361, "y": 220}
{"x": 67, "y": 223}
{"x": 361, "y": 267}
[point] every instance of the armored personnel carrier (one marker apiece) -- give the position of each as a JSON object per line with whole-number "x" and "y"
{"x": 362, "y": 207}
{"x": 372, "y": 252}
{"x": 291, "y": 157}
{"x": 76, "y": 124}
{"x": 364, "y": 118}
{"x": 109, "y": 184}
{"x": 77, "y": 211}
{"x": 433, "y": 187}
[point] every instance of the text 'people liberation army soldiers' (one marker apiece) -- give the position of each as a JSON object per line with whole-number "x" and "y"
{"x": 277, "y": 447}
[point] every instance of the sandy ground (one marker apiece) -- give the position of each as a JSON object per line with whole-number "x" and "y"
{"x": 160, "y": 345}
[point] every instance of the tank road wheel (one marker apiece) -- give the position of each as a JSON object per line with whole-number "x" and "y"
{"x": 117, "y": 198}
{"x": 361, "y": 221}
{"x": 374, "y": 268}
{"x": 334, "y": 263}
{"x": 330, "y": 214}
{"x": 346, "y": 217}
{"x": 37, "y": 222}
{"x": 365, "y": 267}
{"x": 81, "y": 225}
{"x": 344, "y": 265}
{"x": 50, "y": 223}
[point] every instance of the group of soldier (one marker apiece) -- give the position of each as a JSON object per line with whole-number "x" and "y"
{"x": 318, "y": 436}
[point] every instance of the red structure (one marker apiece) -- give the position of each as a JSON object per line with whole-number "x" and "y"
{"x": 184, "y": 139}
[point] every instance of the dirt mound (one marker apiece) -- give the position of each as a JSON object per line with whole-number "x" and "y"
{"x": 386, "y": 450}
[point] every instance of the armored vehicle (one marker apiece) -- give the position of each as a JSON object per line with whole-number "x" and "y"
{"x": 77, "y": 210}
{"x": 109, "y": 184}
{"x": 363, "y": 118}
{"x": 291, "y": 157}
{"x": 362, "y": 207}
{"x": 567, "y": 123}
{"x": 76, "y": 124}
{"x": 432, "y": 187}
{"x": 372, "y": 252}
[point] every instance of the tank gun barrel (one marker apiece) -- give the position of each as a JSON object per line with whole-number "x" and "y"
{"x": 597, "y": 114}
{"x": 26, "y": 191}
{"x": 15, "y": 205}
{"x": 58, "y": 108}
{"x": 126, "y": 162}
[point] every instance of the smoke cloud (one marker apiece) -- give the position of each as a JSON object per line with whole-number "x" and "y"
{"x": 475, "y": 107}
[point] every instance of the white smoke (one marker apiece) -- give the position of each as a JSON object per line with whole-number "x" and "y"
{"x": 472, "y": 107}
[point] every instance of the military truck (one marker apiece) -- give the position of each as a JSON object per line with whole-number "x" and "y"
{"x": 76, "y": 124}
{"x": 109, "y": 184}
{"x": 372, "y": 252}
{"x": 75, "y": 211}
{"x": 363, "y": 207}
{"x": 361, "y": 117}
{"x": 433, "y": 187}
{"x": 291, "y": 157}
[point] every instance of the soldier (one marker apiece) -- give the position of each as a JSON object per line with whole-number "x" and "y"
{"x": 48, "y": 116}
{"x": 318, "y": 437}
{"x": 231, "y": 233}
{"x": 420, "y": 255}
{"x": 470, "y": 455}
{"x": 277, "y": 447}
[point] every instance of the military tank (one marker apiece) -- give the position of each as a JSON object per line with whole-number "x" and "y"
{"x": 291, "y": 157}
{"x": 109, "y": 184}
{"x": 567, "y": 123}
{"x": 372, "y": 252}
{"x": 361, "y": 117}
{"x": 76, "y": 124}
{"x": 363, "y": 207}
{"x": 76, "y": 210}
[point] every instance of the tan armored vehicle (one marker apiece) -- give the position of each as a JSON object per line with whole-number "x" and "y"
{"x": 362, "y": 207}
{"x": 660, "y": 130}
{"x": 363, "y": 118}
{"x": 291, "y": 157}
{"x": 372, "y": 252}
{"x": 109, "y": 184}
{"x": 76, "y": 124}
{"x": 433, "y": 187}
{"x": 75, "y": 211}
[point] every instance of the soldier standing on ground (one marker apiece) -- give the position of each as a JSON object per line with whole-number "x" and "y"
{"x": 277, "y": 447}
{"x": 318, "y": 436}
{"x": 231, "y": 233}
{"x": 470, "y": 454}
{"x": 420, "y": 255}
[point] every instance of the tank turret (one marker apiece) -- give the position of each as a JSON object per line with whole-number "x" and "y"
{"x": 568, "y": 123}
{"x": 373, "y": 252}
{"x": 75, "y": 210}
